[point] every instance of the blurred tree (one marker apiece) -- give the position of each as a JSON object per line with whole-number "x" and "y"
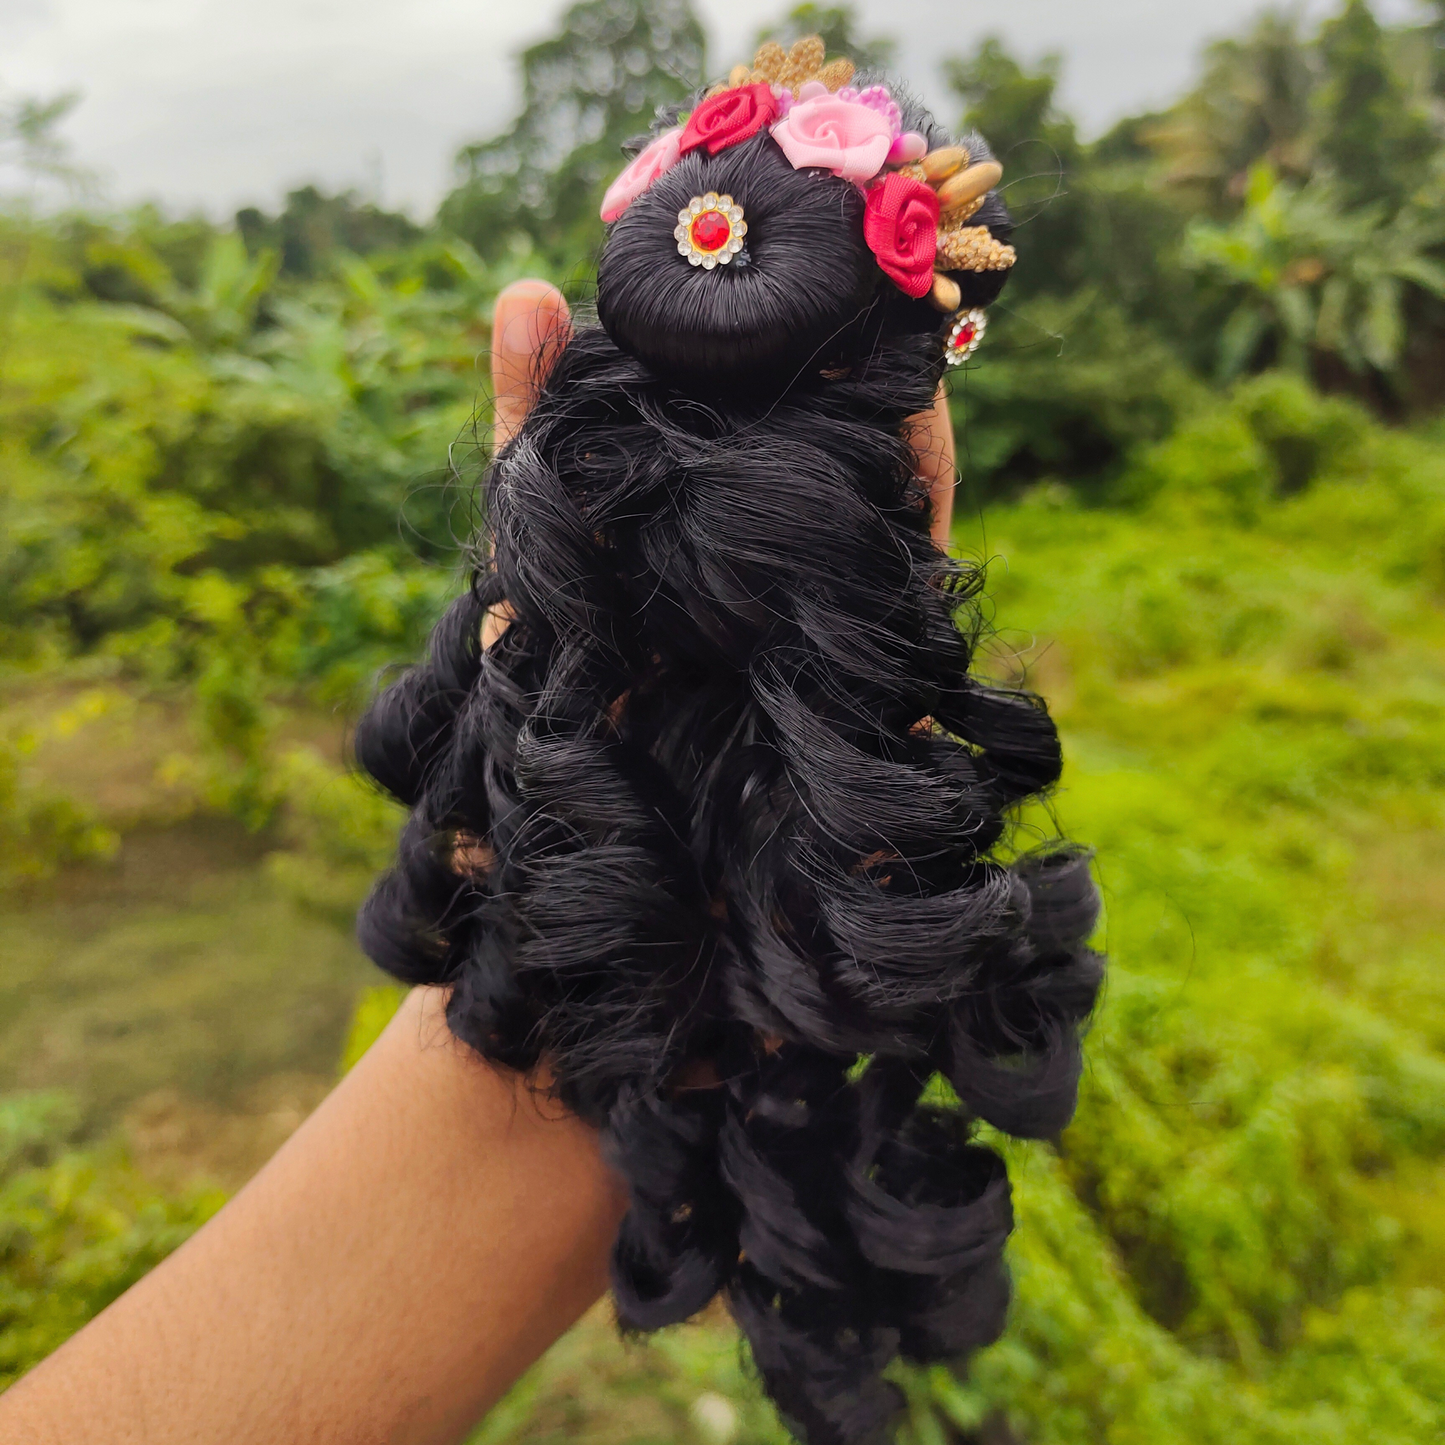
{"x": 1043, "y": 159}
{"x": 1009, "y": 104}
{"x": 1091, "y": 220}
{"x": 183, "y": 245}
{"x": 1373, "y": 137}
{"x": 29, "y": 141}
{"x": 77, "y": 1228}
{"x": 220, "y": 310}
{"x": 585, "y": 92}
{"x": 313, "y": 225}
{"x": 838, "y": 26}
{"x": 1251, "y": 104}
{"x": 1083, "y": 352}
{"x": 1433, "y": 32}
{"x": 1311, "y": 278}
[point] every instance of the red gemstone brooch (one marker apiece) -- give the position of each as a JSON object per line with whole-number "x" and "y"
{"x": 710, "y": 230}
{"x": 964, "y": 336}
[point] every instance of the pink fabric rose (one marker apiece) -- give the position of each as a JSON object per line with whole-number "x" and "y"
{"x": 660, "y": 156}
{"x": 841, "y": 136}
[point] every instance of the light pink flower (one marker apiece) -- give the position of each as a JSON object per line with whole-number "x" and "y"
{"x": 875, "y": 97}
{"x": 836, "y": 135}
{"x": 660, "y": 156}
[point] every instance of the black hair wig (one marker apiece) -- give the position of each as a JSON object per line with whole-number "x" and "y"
{"x": 710, "y": 830}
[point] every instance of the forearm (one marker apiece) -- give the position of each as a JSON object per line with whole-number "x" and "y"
{"x": 426, "y": 1234}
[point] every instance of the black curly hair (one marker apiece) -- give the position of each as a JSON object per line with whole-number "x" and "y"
{"x": 709, "y": 831}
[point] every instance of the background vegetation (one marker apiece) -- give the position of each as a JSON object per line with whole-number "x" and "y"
{"x": 1205, "y": 463}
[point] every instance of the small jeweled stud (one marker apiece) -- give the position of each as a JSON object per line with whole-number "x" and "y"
{"x": 710, "y": 230}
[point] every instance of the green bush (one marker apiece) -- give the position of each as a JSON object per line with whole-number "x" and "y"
{"x": 77, "y": 1229}
{"x": 41, "y": 829}
{"x": 1241, "y": 1236}
{"x": 189, "y": 467}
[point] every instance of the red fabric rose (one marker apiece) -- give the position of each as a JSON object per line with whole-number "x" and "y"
{"x": 900, "y": 226}
{"x": 731, "y": 116}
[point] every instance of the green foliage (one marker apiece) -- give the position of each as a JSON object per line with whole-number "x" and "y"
{"x": 1373, "y": 136}
{"x": 28, "y": 138}
{"x": 1287, "y": 211}
{"x": 77, "y": 1229}
{"x": 40, "y": 830}
{"x": 1313, "y": 278}
{"x": 180, "y": 471}
{"x": 1070, "y": 390}
{"x": 1231, "y": 574}
{"x": 1240, "y": 1237}
{"x": 1043, "y": 158}
{"x": 375, "y": 1008}
{"x": 585, "y": 91}
{"x": 311, "y": 227}
{"x": 340, "y": 833}
{"x": 1252, "y": 106}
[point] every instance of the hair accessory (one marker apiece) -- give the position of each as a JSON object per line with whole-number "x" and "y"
{"x": 965, "y": 336}
{"x": 946, "y": 294}
{"x": 967, "y": 189}
{"x": 793, "y": 69}
{"x": 900, "y": 226}
{"x": 843, "y": 136}
{"x": 919, "y": 202}
{"x": 974, "y": 248}
{"x": 938, "y": 165}
{"x": 646, "y": 167}
{"x": 710, "y": 230}
{"x": 728, "y": 117}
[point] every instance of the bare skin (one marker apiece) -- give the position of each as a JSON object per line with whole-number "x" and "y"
{"x": 418, "y": 1242}
{"x": 933, "y": 441}
{"x": 415, "y": 1246}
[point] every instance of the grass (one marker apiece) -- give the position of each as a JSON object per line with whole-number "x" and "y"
{"x": 1242, "y": 1236}
{"x": 178, "y": 989}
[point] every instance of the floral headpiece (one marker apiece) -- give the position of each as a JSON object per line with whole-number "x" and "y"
{"x": 919, "y": 202}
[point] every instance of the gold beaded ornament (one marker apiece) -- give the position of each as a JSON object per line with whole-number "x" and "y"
{"x": 710, "y": 230}
{"x": 974, "y": 248}
{"x": 792, "y": 69}
{"x": 962, "y": 187}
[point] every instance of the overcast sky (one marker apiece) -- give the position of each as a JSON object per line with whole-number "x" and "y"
{"x": 220, "y": 103}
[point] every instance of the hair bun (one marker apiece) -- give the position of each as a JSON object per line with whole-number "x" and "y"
{"x": 803, "y": 274}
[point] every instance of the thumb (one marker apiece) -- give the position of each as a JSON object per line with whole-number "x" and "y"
{"x": 528, "y": 328}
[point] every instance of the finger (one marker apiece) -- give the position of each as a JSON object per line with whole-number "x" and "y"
{"x": 496, "y": 622}
{"x": 933, "y": 441}
{"x": 528, "y": 327}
